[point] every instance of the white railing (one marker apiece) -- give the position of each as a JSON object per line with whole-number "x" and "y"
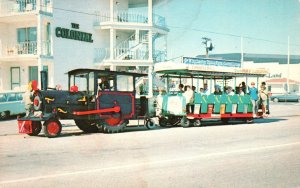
{"x": 159, "y": 20}
{"x": 22, "y": 48}
{"x": 159, "y": 56}
{"x": 15, "y": 7}
{"x": 121, "y": 16}
{"x": 46, "y": 6}
{"x": 102, "y": 54}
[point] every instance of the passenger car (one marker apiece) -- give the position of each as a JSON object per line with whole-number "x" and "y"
{"x": 287, "y": 97}
{"x": 11, "y": 103}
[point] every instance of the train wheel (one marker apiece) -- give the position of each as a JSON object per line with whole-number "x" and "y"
{"x": 225, "y": 120}
{"x": 163, "y": 122}
{"x": 36, "y": 128}
{"x": 150, "y": 124}
{"x": 185, "y": 122}
{"x": 114, "y": 124}
{"x": 87, "y": 126}
{"x": 52, "y": 128}
{"x": 197, "y": 123}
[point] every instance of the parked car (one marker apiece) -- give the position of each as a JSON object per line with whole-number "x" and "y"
{"x": 288, "y": 97}
{"x": 11, "y": 103}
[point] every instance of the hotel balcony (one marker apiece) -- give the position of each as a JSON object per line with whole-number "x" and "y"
{"x": 128, "y": 20}
{"x": 18, "y": 11}
{"x": 12, "y": 52}
{"x": 123, "y": 55}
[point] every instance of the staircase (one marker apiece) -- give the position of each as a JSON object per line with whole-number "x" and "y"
{"x": 134, "y": 49}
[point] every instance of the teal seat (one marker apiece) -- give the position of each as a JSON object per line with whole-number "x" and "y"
{"x": 225, "y": 99}
{"x": 215, "y": 100}
{"x": 173, "y": 105}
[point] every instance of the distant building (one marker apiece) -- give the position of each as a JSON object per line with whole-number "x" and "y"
{"x": 276, "y": 64}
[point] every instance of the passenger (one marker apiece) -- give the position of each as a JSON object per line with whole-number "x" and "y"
{"x": 243, "y": 86}
{"x": 180, "y": 87}
{"x": 263, "y": 97}
{"x": 194, "y": 89}
{"x": 104, "y": 84}
{"x": 205, "y": 89}
{"x": 229, "y": 91}
{"x": 201, "y": 91}
{"x": 253, "y": 92}
{"x": 189, "y": 96}
{"x": 217, "y": 90}
{"x": 241, "y": 92}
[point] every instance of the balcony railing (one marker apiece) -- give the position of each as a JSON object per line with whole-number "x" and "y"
{"x": 22, "y": 48}
{"x": 159, "y": 20}
{"x": 159, "y": 56}
{"x": 17, "y": 7}
{"x": 102, "y": 54}
{"x": 128, "y": 17}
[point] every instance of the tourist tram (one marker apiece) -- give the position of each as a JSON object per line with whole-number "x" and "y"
{"x": 211, "y": 106}
{"x": 105, "y": 101}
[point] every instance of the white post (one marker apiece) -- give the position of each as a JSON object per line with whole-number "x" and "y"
{"x": 112, "y": 36}
{"x": 150, "y": 82}
{"x": 288, "y": 66}
{"x": 111, "y": 9}
{"x": 150, "y": 12}
{"x": 150, "y": 45}
{"x": 39, "y": 31}
{"x": 242, "y": 53}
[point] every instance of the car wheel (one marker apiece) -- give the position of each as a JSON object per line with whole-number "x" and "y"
{"x": 4, "y": 115}
{"x": 275, "y": 100}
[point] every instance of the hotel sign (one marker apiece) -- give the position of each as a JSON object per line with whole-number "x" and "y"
{"x": 73, "y": 34}
{"x": 210, "y": 62}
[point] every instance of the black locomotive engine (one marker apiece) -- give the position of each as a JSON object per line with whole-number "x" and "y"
{"x": 97, "y": 100}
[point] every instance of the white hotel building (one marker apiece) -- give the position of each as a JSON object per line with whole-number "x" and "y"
{"x": 60, "y": 35}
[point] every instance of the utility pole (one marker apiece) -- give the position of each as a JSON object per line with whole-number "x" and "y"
{"x": 208, "y": 45}
{"x": 288, "y": 66}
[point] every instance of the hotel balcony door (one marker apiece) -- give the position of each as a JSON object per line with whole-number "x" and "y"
{"x": 33, "y": 72}
{"x": 15, "y": 77}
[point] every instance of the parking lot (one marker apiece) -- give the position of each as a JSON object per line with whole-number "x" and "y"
{"x": 265, "y": 153}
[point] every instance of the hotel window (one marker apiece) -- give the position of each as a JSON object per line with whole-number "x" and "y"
{"x": 27, "y": 38}
{"x": 33, "y": 72}
{"x": 15, "y": 77}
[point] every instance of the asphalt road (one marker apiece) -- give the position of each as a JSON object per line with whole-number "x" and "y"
{"x": 263, "y": 154}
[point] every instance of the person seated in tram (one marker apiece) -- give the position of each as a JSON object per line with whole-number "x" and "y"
{"x": 229, "y": 91}
{"x": 180, "y": 87}
{"x": 217, "y": 90}
{"x": 205, "y": 89}
{"x": 241, "y": 92}
{"x": 201, "y": 91}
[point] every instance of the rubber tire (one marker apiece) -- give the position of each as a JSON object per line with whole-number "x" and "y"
{"x": 4, "y": 115}
{"x": 106, "y": 128}
{"x": 87, "y": 126}
{"x": 36, "y": 128}
{"x": 275, "y": 100}
{"x": 150, "y": 124}
{"x": 197, "y": 123}
{"x": 185, "y": 122}
{"x": 46, "y": 128}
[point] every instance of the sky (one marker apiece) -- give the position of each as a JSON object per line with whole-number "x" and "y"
{"x": 264, "y": 24}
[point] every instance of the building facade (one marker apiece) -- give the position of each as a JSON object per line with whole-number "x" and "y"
{"x": 58, "y": 36}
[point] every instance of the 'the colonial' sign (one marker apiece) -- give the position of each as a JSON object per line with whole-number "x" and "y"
{"x": 73, "y": 34}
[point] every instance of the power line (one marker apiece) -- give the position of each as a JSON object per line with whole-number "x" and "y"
{"x": 184, "y": 28}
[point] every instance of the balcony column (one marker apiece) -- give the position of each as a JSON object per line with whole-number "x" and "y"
{"x": 150, "y": 12}
{"x": 150, "y": 45}
{"x": 39, "y": 31}
{"x": 112, "y": 43}
{"x": 38, "y": 5}
{"x": 137, "y": 37}
{"x": 111, "y": 10}
{"x": 150, "y": 80}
